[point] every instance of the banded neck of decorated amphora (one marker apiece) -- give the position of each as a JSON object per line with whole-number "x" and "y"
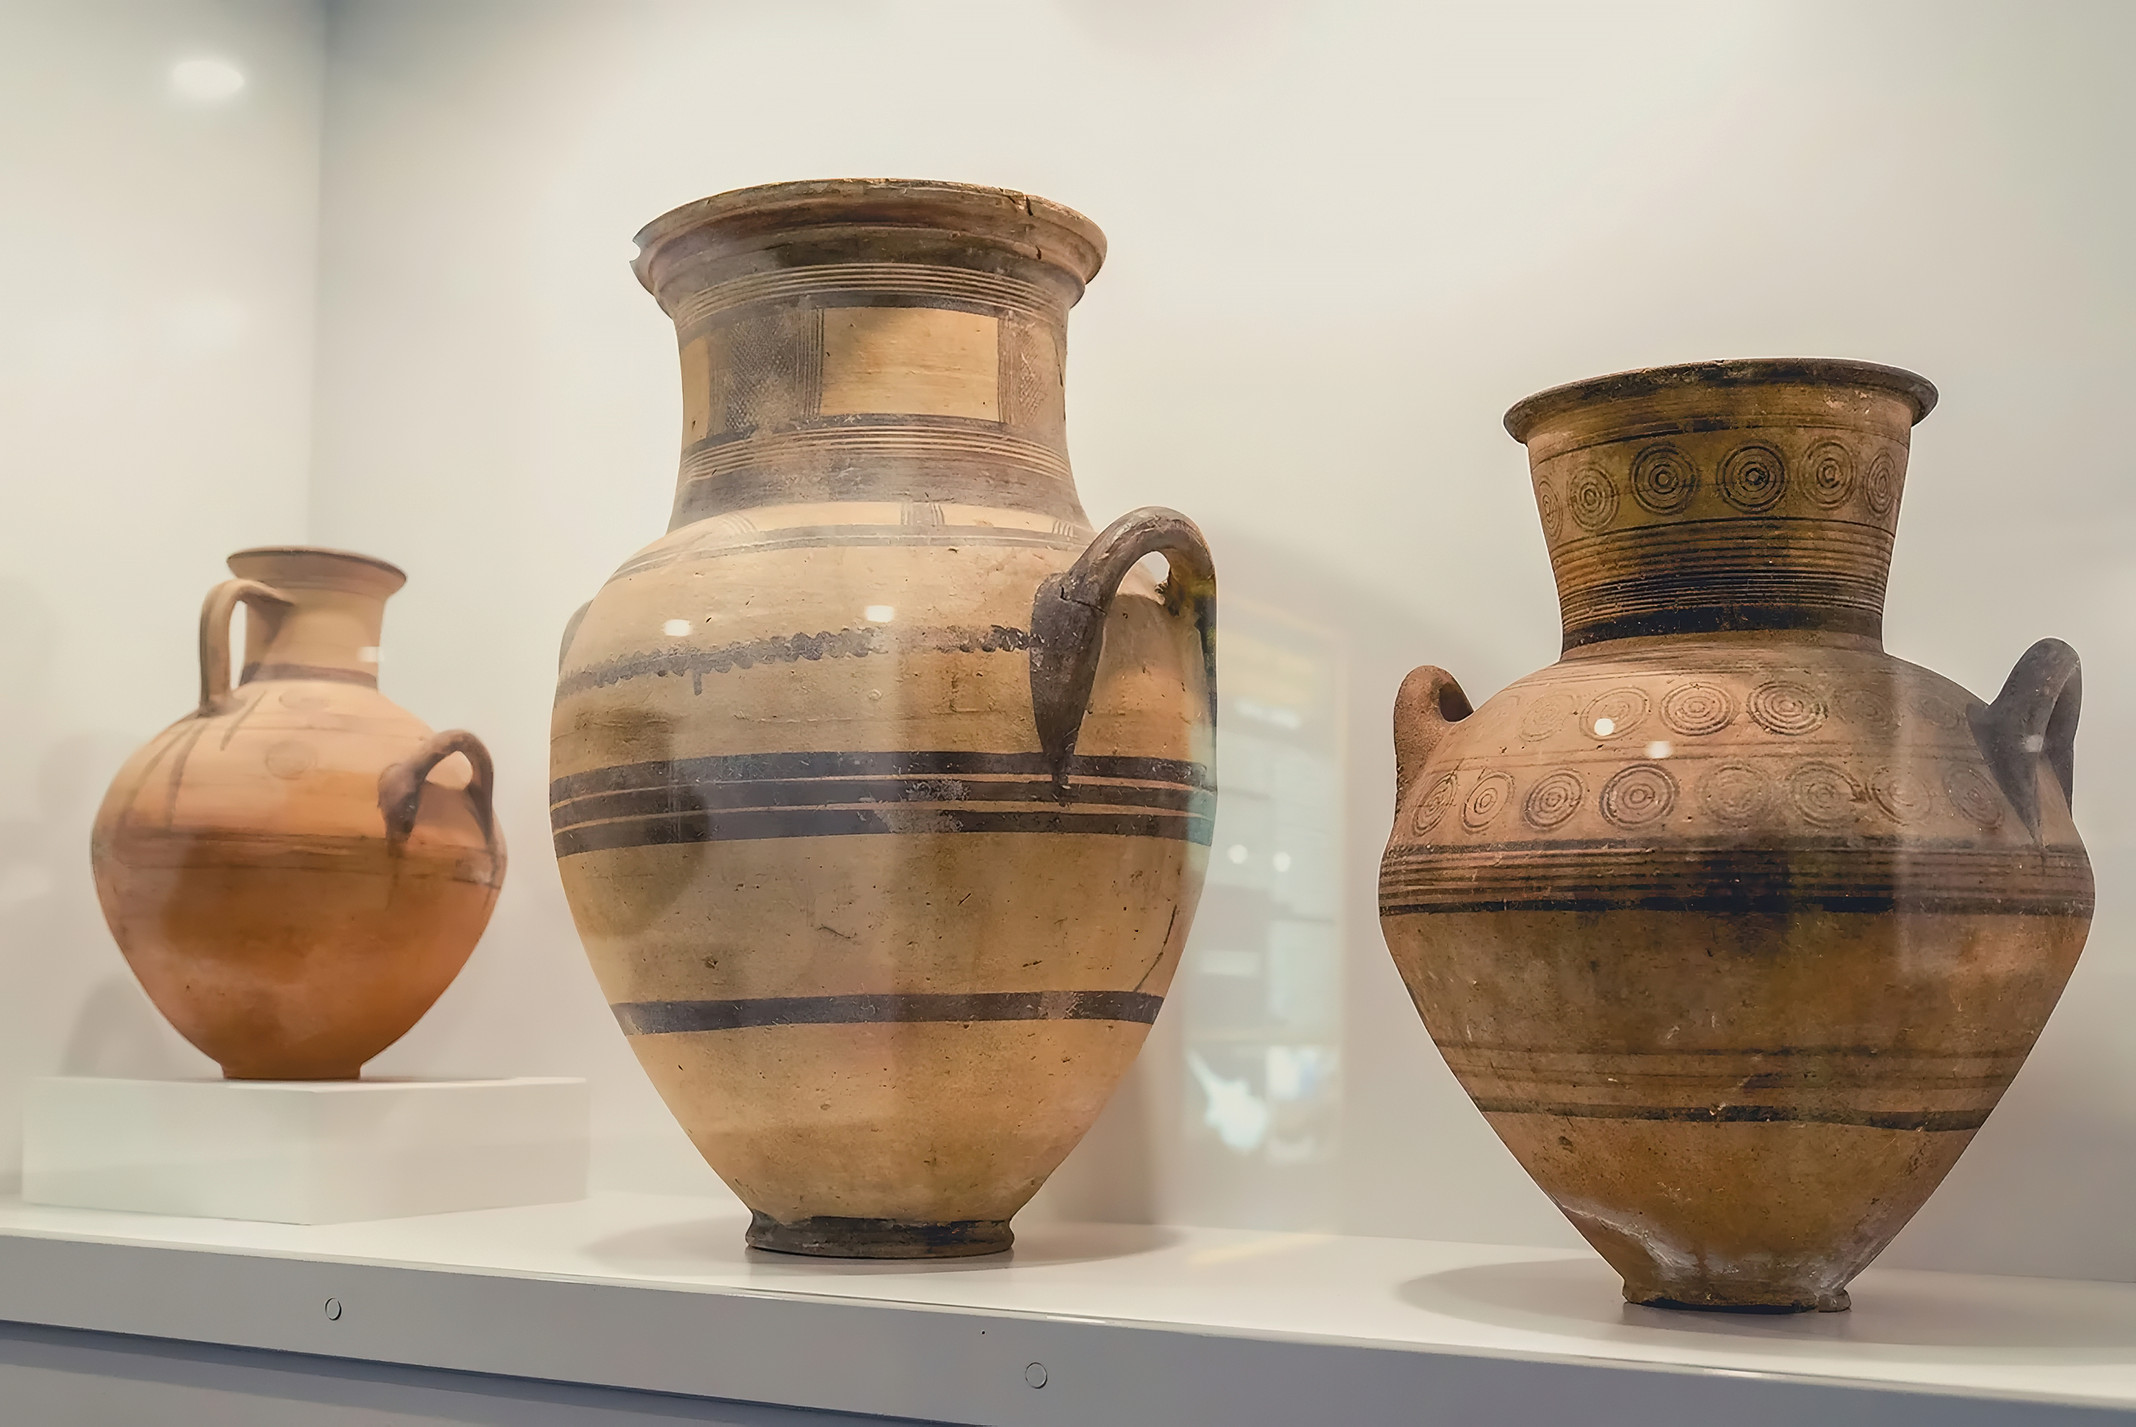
{"x": 319, "y": 615}
{"x": 1739, "y": 497}
{"x": 872, "y": 340}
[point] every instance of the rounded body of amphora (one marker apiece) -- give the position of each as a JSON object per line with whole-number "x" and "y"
{"x": 881, "y": 783}
{"x": 289, "y": 871}
{"x": 1734, "y": 926}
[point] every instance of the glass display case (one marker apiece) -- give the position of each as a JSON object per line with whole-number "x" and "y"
{"x": 358, "y": 274}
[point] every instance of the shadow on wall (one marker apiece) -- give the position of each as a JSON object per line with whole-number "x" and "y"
{"x": 53, "y": 942}
{"x": 1247, "y": 1108}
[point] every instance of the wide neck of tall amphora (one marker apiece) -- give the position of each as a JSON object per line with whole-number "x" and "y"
{"x": 871, "y": 340}
{"x": 1746, "y": 496}
{"x": 330, "y": 627}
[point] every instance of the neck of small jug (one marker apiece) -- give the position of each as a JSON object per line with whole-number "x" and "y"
{"x": 329, "y": 628}
{"x": 330, "y": 634}
{"x": 906, "y": 386}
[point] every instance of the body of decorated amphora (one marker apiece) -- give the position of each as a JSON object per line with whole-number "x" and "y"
{"x": 289, "y": 870}
{"x": 881, "y": 783}
{"x": 1734, "y": 926}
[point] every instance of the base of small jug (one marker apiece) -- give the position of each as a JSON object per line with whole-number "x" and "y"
{"x": 828, "y": 1236}
{"x": 1836, "y": 1301}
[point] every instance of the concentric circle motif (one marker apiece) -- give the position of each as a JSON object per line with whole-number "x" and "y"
{"x": 1881, "y": 486}
{"x": 1907, "y": 797}
{"x": 1546, "y": 504}
{"x": 1828, "y": 473}
{"x": 1864, "y": 708}
{"x": 291, "y": 758}
{"x": 1693, "y": 709}
{"x": 1825, "y": 793}
{"x": 1782, "y": 707}
{"x": 1939, "y": 709}
{"x": 1754, "y": 477}
{"x": 1553, "y": 800}
{"x": 1663, "y": 479}
{"x": 1486, "y": 801}
{"x": 1638, "y": 795}
{"x": 1735, "y": 793}
{"x": 1433, "y": 805}
{"x": 1614, "y": 714}
{"x": 1547, "y": 715}
{"x": 1592, "y": 496}
{"x": 1974, "y": 795}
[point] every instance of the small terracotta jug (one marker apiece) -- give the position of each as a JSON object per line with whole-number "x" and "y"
{"x": 1734, "y": 925}
{"x": 289, "y": 871}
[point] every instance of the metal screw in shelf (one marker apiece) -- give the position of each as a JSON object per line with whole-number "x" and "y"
{"x": 1035, "y": 1374}
{"x": 333, "y": 1313}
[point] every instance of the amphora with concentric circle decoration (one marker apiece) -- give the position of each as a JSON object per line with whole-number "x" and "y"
{"x": 1735, "y": 926}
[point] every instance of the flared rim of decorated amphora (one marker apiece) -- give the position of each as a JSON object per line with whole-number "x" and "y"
{"x": 1533, "y": 412}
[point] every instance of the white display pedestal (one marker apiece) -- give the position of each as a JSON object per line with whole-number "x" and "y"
{"x": 303, "y": 1152}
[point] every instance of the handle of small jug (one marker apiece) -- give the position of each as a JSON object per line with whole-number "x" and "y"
{"x": 216, "y": 612}
{"x": 400, "y": 787}
{"x": 1429, "y": 702}
{"x": 2034, "y": 718}
{"x": 1068, "y": 619}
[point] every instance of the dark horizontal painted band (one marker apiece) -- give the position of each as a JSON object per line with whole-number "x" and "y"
{"x": 1934, "y": 1121}
{"x": 327, "y": 672}
{"x": 830, "y": 299}
{"x": 1773, "y": 904}
{"x": 757, "y": 825}
{"x": 1726, "y": 618}
{"x": 848, "y": 537}
{"x": 937, "y": 478}
{"x": 872, "y": 763}
{"x": 692, "y": 661}
{"x": 683, "y": 798}
{"x": 660, "y": 1018}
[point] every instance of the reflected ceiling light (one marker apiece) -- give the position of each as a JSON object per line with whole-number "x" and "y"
{"x": 206, "y": 79}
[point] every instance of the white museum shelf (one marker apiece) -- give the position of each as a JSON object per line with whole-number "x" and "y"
{"x": 1085, "y": 1324}
{"x": 304, "y": 1152}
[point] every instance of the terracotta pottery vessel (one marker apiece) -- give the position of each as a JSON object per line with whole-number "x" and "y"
{"x": 289, "y": 871}
{"x": 881, "y": 784}
{"x": 1734, "y": 926}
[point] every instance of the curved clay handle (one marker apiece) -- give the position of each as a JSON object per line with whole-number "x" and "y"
{"x": 2034, "y": 717}
{"x": 1430, "y": 700}
{"x": 400, "y": 787}
{"x": 215, "y": 613}
{"x": 1068, "y": 619}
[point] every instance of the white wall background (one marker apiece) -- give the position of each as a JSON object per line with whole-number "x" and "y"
{"x": 157, "y": 279}
{"x": 1343, "y": 241}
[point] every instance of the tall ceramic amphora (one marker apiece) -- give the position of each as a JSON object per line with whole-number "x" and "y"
{"x": 881, "y": 784}
{"x": 298, "y": 868}
{"x": 1734, "y": 926}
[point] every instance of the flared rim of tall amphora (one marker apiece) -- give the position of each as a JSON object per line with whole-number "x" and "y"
{"x": 1703, "y": 381}
{"x": 745, "y": 220}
